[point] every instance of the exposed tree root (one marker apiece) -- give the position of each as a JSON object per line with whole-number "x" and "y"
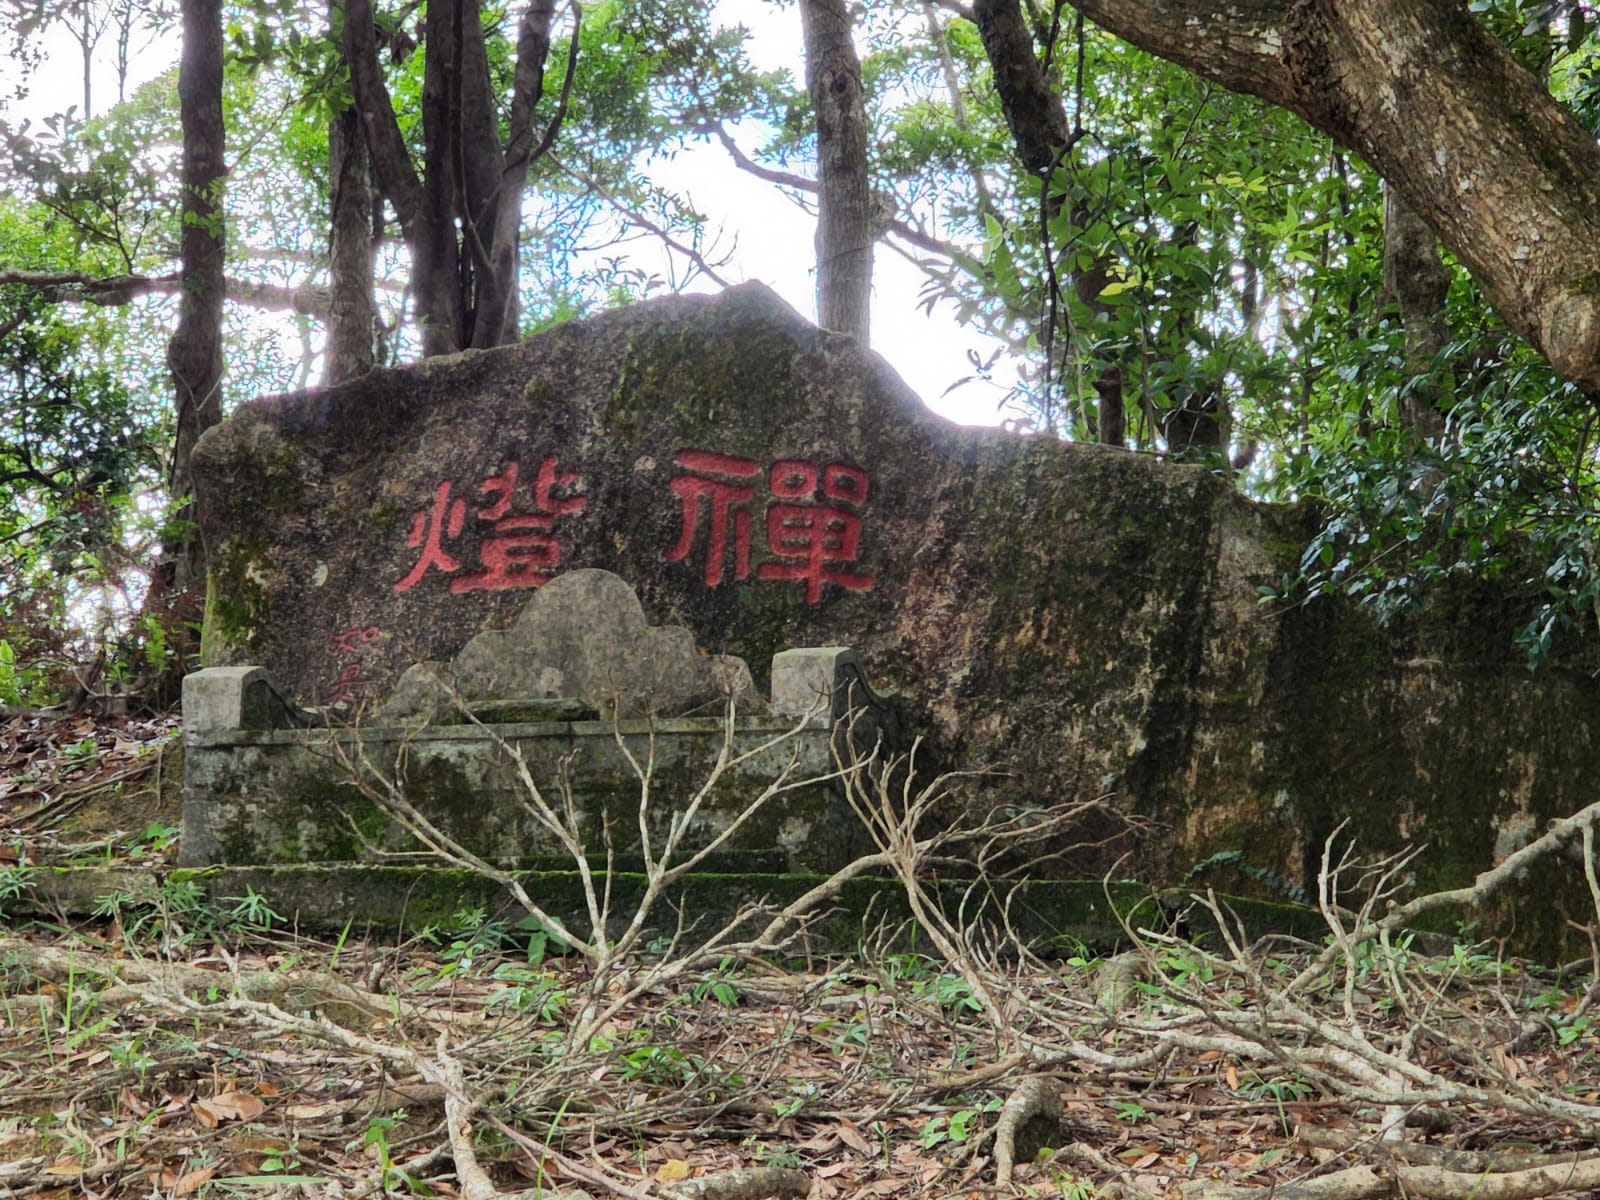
{"x": 1036, "y": 1099}
{"x": 300, "y": 989}
{"x": 978, "y": 1077}
{"x": 1425, "y": 1155}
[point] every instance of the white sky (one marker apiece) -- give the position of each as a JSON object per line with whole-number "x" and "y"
{"x": 771, "y": 238}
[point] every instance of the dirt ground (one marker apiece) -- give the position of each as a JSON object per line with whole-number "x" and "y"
{"x": 168, "y": 1047}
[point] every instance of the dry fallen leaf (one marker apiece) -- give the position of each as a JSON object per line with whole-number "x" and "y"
{"x": 189, "y": 1182}
{"x": 227, "y": 1106}
{"x": 851, "y": 1136}
{"x": 672, "y": 1171}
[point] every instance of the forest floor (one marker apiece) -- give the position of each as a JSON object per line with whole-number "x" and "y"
{"x": 167, "y": 1047}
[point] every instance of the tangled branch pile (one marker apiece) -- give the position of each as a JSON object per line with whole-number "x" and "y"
{"x": 521, "y": 1055}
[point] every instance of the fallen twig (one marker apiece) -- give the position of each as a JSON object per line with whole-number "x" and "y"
{"x": 1425, "y": 1155}
{"x": 744, "y": 1183}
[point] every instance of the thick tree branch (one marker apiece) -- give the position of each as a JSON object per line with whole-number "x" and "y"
{"x": 898, "y": 226}
{"x": 745, "y": 163}
{"x": 1034, "y": 114}
{"x": 1470, "y": 139}
{"x": 77, "y": 287}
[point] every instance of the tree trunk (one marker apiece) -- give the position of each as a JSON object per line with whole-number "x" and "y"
{"x": 1042, "y": 135}
{"x": 1033, "y": 110}
{"x": 1416, "y": 284}
{"x": 437, "y": 270}
{"x": 352, "y": 315}
{"x": 1110, "y": 424}
{"x": 845, "y": 234}
{"x": 496, "y": 201}
{"x": 462, "y": 215}
{"x": 194, "y": 354}
{"x": 1470, "y": 139}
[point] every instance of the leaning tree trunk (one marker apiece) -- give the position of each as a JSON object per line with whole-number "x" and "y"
{"x": 194, "y": 355}
{"x": 425, "y": 204}
{"x": 1470, "y": 139}
{"x": 845, "y": 233}
{"x": 1032, "y": 108}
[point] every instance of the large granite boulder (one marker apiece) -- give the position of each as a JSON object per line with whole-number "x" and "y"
{"x": 1082, "y": 621}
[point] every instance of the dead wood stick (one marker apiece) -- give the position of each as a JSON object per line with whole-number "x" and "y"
{"x": 1419, "y": 1182}
{"x": 1513, "y": 866}
{"x": 458, "y": 1109}
{"x": 744, "y": 1183}
{"x": 29, "y": 1175}
{"x": 1112, "y": 1180}
{"x": 1422, "y": 1154}
{"x": 22, "y": 1168}
{"x": 967, "y": 1080}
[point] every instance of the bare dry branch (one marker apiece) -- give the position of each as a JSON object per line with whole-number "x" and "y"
{"x": 77, "y": 287}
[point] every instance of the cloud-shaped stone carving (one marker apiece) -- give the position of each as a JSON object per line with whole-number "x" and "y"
{"x": 583, "y": 636}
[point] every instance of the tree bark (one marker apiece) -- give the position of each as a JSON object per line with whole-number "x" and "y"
{"x": 1416, "y": 284}
{"x": 424, "y": 204}
{"x": 1043, "y": 136}
{"x": 462, "y": 214}
{"x": 1471, "y": 140}
{"x": 496, "y": 309}
{"x": 845, "y": 233}
{"x": 1033, "y": 109}
{"x": 437, "y": 271}
{"x": 352, "y": 315}
{"x": 194, "y": 354}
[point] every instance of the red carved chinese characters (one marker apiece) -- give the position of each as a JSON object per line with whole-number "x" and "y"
{"x": 811, "y": 536}
{"x": 519, "y": 547}
{"x": 429, "y": 530}
{"x": 726, "y": 502}
{"x": 347, "y": 645}
{"x": 813, "y": 521}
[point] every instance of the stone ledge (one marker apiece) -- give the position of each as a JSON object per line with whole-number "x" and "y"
{"x": 393, "y": 901}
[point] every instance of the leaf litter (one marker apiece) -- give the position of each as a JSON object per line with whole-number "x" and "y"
{"x": 129, "y": 1068}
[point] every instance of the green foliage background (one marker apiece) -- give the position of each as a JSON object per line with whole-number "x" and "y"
{"x": 1241, "y": 251}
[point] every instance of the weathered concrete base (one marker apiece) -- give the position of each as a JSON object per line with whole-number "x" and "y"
{"x": 761, "y": 793}
{"x": 277, "y": 796}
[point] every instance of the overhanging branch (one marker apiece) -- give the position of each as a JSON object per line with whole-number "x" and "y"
{"x": 1474, "y": 143}
{"x": 110, "y": 291}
